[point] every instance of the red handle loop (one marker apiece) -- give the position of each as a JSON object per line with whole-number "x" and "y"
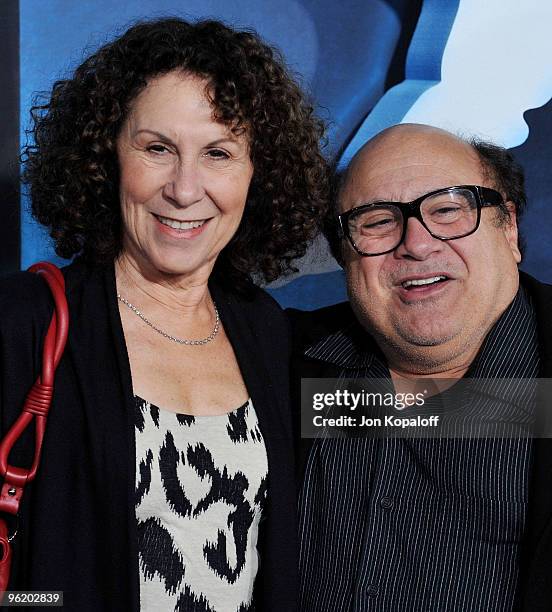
{"x": 36, "y": 406}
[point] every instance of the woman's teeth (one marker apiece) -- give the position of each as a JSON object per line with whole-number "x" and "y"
{"x": 180, "y": 225}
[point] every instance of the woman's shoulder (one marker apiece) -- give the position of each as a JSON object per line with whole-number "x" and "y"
{"x": 262, "y": 300}
{"x": 26, "y": 307}
{"x": 255, "y": 311}
{"x": 252, "y": 300}
{"x": 23, "y": 283}
{"x": 23, "y": 295}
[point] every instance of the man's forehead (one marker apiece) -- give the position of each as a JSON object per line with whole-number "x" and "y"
{"x": 403, "y": 166}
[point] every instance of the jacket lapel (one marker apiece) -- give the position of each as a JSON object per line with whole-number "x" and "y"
{"x": 256, "y": 359}
{"x": 102, "y": 370}
{"x": 249, "y": 355}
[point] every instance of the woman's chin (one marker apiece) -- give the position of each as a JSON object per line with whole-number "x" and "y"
{"x": 170, "y": 266}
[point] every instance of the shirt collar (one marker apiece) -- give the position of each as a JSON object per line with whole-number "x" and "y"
{"x": 510, "y": 349}
{"x": 350, "y": 347}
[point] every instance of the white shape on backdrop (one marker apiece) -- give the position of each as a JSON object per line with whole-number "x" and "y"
{"x": 496, "y": 66}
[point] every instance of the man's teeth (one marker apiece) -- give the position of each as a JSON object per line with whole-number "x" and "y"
{"x": 180, "y": 225}
{"x": 423, "y": 281}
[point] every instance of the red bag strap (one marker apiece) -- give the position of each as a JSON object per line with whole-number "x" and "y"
{"x": 35, "y": 407}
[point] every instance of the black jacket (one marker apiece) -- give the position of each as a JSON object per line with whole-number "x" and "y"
{"x": 78, "y": 528}
{"x": 535, "y": 586}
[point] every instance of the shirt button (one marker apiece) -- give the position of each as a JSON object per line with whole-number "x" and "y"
{"x": 372, "y": 590}
{"x": 387, "y": 503}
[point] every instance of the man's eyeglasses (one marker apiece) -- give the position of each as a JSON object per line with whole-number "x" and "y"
{"x": 447, "y": 214}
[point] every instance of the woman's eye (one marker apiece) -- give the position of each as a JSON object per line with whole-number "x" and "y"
{"x": 158, "y": 149}
{"x": 218, "y": 154}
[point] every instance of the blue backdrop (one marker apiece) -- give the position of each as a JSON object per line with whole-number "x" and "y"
{"x": 368, "y": 64}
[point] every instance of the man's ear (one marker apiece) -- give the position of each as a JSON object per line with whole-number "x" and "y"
{"x": 511, "y": 231}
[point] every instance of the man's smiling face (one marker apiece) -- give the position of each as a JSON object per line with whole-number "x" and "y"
{"x": 443, "y": 319}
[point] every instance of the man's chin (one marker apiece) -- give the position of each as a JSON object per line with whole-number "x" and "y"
{"x": 420, "y": 340}
{"x": 433, "y": 333}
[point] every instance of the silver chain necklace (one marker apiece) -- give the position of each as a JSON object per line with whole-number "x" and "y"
{"x": 210, "y": 337}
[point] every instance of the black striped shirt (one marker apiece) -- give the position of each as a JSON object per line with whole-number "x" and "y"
{"x": 417, "y": 524}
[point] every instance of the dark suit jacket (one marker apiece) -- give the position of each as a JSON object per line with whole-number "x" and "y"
{"x": 535, "y": 587}
{"x": 78, "y": 527}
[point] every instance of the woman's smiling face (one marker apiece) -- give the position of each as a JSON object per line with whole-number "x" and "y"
{"x": 184, "y": 179}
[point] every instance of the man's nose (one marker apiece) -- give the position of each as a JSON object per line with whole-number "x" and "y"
{"x": 185, "y": 185}
{"x": 418, "y": 243}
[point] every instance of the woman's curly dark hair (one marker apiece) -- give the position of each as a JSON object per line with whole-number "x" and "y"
{"x": 72, "y": 169}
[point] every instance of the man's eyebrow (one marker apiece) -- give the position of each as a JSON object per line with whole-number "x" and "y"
{"x": 380, "y": 201}
{"x": 376, "y": 201}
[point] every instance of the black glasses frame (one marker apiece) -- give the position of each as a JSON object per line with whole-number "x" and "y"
{"x": 484, "y": 196}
